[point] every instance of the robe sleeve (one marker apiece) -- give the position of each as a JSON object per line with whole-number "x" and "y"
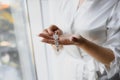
{"x": 113, "y": 42}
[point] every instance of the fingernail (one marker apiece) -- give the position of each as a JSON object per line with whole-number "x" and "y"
{"x": 74, "y": 39}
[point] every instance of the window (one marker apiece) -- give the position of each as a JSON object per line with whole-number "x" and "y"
{"x": 16, "y": 56}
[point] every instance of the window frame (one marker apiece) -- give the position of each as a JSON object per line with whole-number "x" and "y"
{"x": 36, "y": 20}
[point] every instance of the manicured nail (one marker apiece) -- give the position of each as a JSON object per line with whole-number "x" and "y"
{"x": 74, "y": 39}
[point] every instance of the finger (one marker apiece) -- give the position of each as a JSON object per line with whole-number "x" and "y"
{"x": 59, "y": 32}
{"x": 44, "y": 32}
{"x": 45, "y": 36}
{"x": 76, "y": 40}
{"x": 50, "y": 32}
{"x": 48, "y": 41}
{"x": 53, "y": 29}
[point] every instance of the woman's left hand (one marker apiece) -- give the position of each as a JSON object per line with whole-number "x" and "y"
{"x": 65, "y": 39}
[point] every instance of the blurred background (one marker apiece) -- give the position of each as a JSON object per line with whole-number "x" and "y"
{"x": 9, "y": 56}
{"x": 22, "y": 55}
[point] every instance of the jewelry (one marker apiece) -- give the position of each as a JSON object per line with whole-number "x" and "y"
{"x": 56, "y": 37}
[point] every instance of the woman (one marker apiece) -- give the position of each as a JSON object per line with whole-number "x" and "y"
{"x": 89, "y": 30}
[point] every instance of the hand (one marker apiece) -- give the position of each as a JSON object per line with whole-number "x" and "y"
{"x": 65, "y": 39}
{"x": 48, "y": 33}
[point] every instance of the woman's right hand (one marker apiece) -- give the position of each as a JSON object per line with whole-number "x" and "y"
{"x": 50, "y": 31}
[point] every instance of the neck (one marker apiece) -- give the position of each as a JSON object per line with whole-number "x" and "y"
{"x": 81, "y": 2}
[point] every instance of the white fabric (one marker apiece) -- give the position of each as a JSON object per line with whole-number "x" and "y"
{"x": 88, "y": 20}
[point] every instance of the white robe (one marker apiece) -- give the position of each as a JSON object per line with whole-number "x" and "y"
{"x": 89, "y": 20}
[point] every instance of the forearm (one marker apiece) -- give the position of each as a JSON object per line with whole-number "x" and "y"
{"x": 100, "y": 53}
